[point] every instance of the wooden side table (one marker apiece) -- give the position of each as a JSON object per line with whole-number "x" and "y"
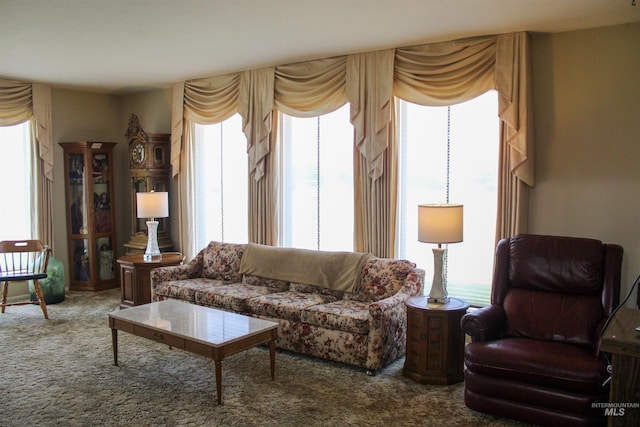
{"x": 622, "y": 340}
{"x": 435, "y": 341}
{"x": 135, "y": 280}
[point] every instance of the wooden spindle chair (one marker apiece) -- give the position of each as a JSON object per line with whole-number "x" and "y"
{"x": 20, "y": 261}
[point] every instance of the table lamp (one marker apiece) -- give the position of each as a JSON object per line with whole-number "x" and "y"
{"x": 152, "y": 205}
{"x": 441, "y": 224}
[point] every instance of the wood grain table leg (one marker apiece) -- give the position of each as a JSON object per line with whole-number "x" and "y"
{"x": 219, "y": 381}
{"x": 272, "y": 357}
{"x": 114, "y": 341}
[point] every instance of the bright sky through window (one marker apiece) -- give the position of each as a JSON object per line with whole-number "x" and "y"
{"x": 318, "y": 181}
{"x": 221, "y": 187}
{"x": 16, "y": 188}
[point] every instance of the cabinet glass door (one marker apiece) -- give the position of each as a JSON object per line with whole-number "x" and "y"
{"x": 90, "y": 209}
{"x": 78, "y": 194}
{"x": 105, "y": 258}
{"x": 101, "y": 193}
{"x": 80, "y": 261}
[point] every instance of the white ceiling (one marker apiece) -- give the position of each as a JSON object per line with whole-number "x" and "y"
{"x": 119, "y": 46}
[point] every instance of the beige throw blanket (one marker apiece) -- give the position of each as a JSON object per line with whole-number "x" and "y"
{"x": 332, "y": 270}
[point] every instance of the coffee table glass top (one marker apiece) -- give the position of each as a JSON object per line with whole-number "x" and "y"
{"x": 208, "y": 325}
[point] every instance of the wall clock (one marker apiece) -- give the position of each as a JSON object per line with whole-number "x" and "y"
{"x": 137, "y": 153}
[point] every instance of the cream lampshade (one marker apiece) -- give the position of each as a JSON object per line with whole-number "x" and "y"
{"x": 441, "y": 224}
{"x": 152, "y": 205}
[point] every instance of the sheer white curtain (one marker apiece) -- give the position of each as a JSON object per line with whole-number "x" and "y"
{"x": 317, "y": 181}
{"x": 221, "y": 183}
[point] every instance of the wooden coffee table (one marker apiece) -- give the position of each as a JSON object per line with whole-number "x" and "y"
{"x": 205, "y": 331}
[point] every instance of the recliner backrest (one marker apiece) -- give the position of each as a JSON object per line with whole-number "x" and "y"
{"x": 553, "y": 288}
{"x": 556, "y": 264}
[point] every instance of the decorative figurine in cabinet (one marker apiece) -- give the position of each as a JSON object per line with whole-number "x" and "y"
{"x": 90, "y": 215}
{"x": 149, "y": 170}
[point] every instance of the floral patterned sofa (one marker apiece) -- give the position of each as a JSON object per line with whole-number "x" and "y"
{"x": 365, "y": 328}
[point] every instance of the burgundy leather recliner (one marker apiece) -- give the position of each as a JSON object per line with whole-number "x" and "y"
{"x": 534, "y": 354}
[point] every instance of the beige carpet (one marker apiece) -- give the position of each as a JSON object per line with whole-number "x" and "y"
{"x": 61, "y": 372}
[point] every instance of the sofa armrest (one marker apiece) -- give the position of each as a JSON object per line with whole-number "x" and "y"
{"x": 190, "y": 270}
{"x": 413, "y": 284}
{"x": 484, "y": 324}
{"x": 388, "y": 323}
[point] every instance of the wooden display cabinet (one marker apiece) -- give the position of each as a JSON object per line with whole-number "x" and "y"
{"x": 90, "y": 208}
{"x": 622, "y": 340}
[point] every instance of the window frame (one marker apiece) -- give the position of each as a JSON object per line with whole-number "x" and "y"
{"x": 476, "y": 293}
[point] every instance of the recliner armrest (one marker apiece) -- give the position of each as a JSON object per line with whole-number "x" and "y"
{"x": 484, "y": 324}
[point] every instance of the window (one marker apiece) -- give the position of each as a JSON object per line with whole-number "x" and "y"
{"x": 16, "y": 178}
{"x": 221, "y": 183}
{"x": 467, "y": 134}
{"x": 317, "y": 181}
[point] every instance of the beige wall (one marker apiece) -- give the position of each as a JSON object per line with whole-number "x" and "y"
{"x": 587, "y": 124}
{"x": 153, "y": 108}
{"x": 587, "y": 131}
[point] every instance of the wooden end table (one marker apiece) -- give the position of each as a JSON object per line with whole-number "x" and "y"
{"x": 201, "y": 330}
{"x": 135, "y": 280}
{"x": 623, "y": 342}
{"x": 435, "y": 341}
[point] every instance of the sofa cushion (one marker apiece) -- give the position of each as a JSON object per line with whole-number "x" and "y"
{"x": 312, "y": 289}
{"x": 185, "y": 289}
{"x": 232, "y": 297}
{"x": 344, "y": 315}
{"x": 381, "y": 278}
{"x": 286, "y": 305}
{"x": 222, "y": 261}
{"x": 279, "y": 285}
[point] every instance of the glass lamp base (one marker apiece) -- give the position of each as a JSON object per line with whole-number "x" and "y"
{"x": 443, "y": 300}
{"x": 438, "y": 293}
{"x": 153, "y": 251}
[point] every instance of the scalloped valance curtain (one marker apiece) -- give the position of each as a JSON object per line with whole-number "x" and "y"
{"x": 432, "y": 74}
{"x": 452, "y": 72}
{"x": 19, "y": 102}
